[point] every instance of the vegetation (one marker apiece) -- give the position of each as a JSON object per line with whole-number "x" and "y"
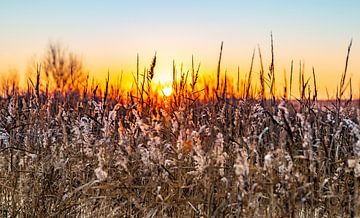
{"x": 200, "y": 152}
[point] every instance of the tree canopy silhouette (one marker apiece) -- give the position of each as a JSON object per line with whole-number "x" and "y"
{"x": 63, "y": 67}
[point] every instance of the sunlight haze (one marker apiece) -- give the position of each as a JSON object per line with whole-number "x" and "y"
{"x": 108, "y": 35}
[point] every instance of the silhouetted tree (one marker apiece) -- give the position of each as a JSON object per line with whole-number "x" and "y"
{"x": 65, "y": 68}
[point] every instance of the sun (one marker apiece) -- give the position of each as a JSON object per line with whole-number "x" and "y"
{"x": 163, "y": 83}
{"x": 166, "y": 91}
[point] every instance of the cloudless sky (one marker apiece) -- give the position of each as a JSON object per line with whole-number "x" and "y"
{"x": 109, "y": 34}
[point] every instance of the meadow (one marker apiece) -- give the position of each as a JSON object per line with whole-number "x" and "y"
{"x": 201, "y": 150}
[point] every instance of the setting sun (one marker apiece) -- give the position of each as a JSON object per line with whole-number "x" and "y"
{"x": 166, "y": 91}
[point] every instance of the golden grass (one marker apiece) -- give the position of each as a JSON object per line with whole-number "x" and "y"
{"x": 201, "y": 152}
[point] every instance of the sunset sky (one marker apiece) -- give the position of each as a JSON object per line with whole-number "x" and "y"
{"x": 109, "y": 34}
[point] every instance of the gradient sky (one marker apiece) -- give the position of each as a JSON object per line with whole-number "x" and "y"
{"x": 109, "y": 34}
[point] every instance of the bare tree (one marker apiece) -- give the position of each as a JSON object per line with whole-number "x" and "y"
{"x": 65, "y": 68}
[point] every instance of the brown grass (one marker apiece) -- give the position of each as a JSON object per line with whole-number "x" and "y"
{"x": 137, "y": 154}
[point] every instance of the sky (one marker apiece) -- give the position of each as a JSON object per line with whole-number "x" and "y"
{"x": 108, "y": 35}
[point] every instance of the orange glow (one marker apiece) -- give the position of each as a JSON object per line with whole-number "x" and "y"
{"x": 162, "y": 82}
{"x": 166, "y": 91}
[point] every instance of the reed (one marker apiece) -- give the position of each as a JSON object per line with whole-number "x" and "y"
{"x": 138, "y": 154}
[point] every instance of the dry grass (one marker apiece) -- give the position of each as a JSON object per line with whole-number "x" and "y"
{"x": 84, "y": 155}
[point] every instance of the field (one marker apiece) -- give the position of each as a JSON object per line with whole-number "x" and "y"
{"x": 197, "y": 152}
